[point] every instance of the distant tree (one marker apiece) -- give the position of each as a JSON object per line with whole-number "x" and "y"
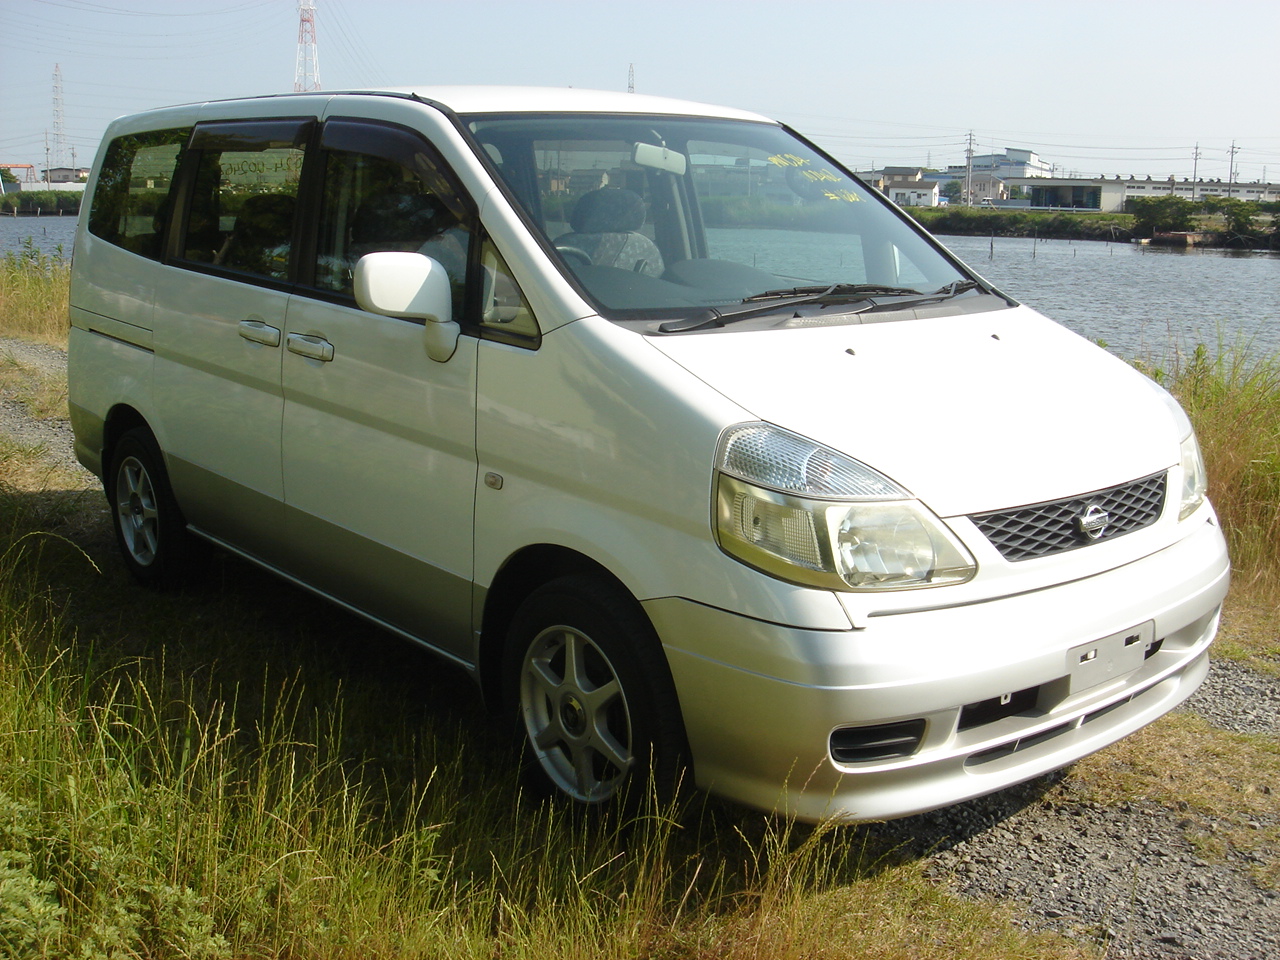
{"x": 6, "y": 175}
{"x": 1016, "y": 192}
{"x": 951, "y": 190}
{"x": 1166, "y": 214}
{"x": 1237, "y": 213}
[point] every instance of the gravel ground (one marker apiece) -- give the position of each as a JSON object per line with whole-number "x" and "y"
{"x": 17, "y": 424}
{"x": 1124, "y": 877}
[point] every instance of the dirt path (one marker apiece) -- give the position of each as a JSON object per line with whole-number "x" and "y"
{"x": 21, "y": 364}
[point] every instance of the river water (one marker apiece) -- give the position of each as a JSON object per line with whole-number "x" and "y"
{"x": 48, "y": 233}
{"x": 1140, "y": 300}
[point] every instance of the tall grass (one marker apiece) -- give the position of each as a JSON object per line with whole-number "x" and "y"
{"x": 233, "y": 773}
{"x": 33, "y": 295}
{"x": 1233, "y": 398}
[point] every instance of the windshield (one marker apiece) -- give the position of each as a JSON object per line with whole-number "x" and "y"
{"x": 659, "y": 216}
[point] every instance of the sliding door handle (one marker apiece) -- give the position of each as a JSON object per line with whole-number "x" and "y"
{"x": 257, "y": 331}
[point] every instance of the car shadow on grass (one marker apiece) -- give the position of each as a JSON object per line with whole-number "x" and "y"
{"x": 239, "y": 634}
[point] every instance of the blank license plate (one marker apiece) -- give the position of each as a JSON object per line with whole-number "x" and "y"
{"x": 1115, "y": 656}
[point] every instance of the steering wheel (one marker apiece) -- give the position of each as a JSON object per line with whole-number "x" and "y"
{"x": 574, "y": 253}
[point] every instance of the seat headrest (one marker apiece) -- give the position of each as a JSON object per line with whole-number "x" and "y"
{"x": 267, "y": 214}
{"x": 397, "y": 218}
{"x": 608, "y": 210}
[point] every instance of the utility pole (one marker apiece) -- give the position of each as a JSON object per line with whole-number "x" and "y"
{"x": 59, "y": 127}
{"x": 306, "y": 76}
{"x": 968, "y": 171}
{"x": 1231, "y": 169}
{"x": 1195, "y": 170}
{"x": 631, "y": 78}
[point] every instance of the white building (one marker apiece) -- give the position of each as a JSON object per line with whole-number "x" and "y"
{"x": 919, "y": 193}
{"x": 1195, "y": 190}
{"x": 1002, "y": 166}
{"x": 1101, "y": 193}
{"x": 66, "y": 175}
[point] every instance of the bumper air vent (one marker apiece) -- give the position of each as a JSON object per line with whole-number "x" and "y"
{"x": 884, "y": 741}
{"x": 997, "y": 708}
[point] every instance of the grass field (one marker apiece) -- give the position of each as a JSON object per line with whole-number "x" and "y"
{"x": 240, "y": 770}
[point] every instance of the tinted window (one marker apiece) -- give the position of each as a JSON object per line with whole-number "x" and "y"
{"x": 130, "y": 201}
{"x": 244, "y": 195}
{"x": 385, "y": 189}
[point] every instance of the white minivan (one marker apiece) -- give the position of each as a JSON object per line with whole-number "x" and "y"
{"x": 697, "y": 454}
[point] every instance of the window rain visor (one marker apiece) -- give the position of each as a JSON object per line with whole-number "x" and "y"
{"x": 670, "y": 217}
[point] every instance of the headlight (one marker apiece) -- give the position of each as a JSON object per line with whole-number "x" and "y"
{"x": 1194, "y": 478}
{"x": 808, "y": 514}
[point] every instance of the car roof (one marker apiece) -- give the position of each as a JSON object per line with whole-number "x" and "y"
{"x": 504, "y": 99}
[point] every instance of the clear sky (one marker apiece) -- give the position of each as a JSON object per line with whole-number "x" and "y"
{"x": 1116, "y": 87}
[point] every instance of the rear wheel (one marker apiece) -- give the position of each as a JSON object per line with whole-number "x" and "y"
{"x": 597, "y": 710}
{"x": 149, "y": 527}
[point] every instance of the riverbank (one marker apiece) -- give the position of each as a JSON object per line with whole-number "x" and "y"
{"x": 1210, "y": 229}
{"x": 41, "y": 203}
{"x": 1042, "y": 224}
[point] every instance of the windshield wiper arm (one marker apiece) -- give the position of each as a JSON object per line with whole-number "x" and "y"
{"x": 957, "y": 287}
{"x": 952, "y": 289}
{"x": 771, "y": 301}
{"x": 833, "y": 291}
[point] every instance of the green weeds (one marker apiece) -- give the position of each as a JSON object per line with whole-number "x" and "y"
{"x": 33, "y": 295}
{"x": 240, "y": 771}
{"x": 1233, "y": 398}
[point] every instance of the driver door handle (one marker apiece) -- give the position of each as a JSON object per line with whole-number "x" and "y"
{"x": 313, "y": 348}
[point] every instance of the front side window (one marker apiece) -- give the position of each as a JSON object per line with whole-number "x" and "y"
{"x": 131, "y": 198}
{"x": 385, "y": 189}
{"x": 658, "y": 216}
{"x": 244, "y": 196}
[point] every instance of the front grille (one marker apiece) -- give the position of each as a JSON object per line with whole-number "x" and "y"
{"x": 1046, "y": 528}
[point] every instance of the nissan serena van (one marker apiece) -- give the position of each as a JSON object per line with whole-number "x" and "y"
{"x": 699, "y": 456}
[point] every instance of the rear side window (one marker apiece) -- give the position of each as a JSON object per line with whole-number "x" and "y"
{"x": 243, "y": 195}
{"x": 131, "y": 199}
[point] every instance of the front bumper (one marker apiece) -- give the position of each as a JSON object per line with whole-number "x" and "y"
{"x": 761, "y": 701}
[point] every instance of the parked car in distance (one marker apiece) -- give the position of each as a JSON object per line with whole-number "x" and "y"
{"x": 689, "y": 447}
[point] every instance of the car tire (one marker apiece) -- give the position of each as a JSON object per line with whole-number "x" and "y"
{"x": 596, "y": 710}
{"x": 149, "y": 527}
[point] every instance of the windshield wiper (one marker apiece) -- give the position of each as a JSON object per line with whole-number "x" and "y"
{"x": 952, "y": 289}
{"x": 833, "y": 291}
{"x": 771, "y": 301}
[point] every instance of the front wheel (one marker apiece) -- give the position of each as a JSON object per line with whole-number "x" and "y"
{"x": 597, "y": 709}
{"x": 149, "y": 527}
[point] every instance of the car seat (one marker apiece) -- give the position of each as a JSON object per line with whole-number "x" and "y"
{"x": 606, "y": 224}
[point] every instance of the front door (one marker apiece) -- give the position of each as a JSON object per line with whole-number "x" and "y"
{"x": 378, "y": 440}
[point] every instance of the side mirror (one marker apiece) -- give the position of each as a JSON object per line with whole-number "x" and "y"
{"x": 412, "y": 285}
